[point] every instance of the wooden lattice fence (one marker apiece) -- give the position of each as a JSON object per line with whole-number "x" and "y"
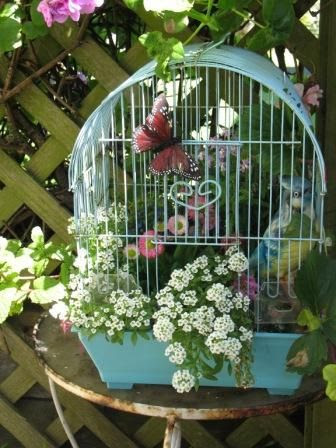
{"x": 24, "y": 185}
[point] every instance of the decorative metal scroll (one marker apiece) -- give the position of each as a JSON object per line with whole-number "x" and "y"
{"x": 201, "y": 191}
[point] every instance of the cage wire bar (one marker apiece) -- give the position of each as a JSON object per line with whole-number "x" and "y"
{"x": 263, "y": 175}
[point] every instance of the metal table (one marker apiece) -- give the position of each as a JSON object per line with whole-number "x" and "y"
{"x": 67, "y": 364}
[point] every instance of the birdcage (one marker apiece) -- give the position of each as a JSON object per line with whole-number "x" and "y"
{"x": 224, "y": 154}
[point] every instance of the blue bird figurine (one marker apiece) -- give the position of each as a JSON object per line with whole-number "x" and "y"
{"x": 295, "y": 219}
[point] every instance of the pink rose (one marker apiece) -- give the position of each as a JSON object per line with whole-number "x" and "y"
{"x": 60, "y": 10}
{"x": 310, "y": 97}
{"x": 54, "y": 11}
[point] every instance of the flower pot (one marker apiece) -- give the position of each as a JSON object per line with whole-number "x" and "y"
{"x": 121, "y": 366}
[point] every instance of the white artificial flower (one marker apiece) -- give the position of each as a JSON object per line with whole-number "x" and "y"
{"x": 168, "y": 5}
{"x": 59, "y": 311}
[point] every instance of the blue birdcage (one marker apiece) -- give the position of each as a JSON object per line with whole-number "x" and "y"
{"x": 219, "y": 161}
{"x": 222, "y": 154}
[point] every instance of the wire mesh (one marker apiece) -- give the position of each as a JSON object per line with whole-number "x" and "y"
{"x": 262, "y": 175}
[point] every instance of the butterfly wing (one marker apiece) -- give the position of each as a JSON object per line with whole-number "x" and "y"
{"x": 145, "y": 139}
{"x": 158, "y": 120}
{"x": 174, "y": 160}
{"x": 156, "y": 129}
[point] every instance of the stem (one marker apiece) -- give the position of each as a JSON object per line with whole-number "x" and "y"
{"x": 198, "y": 29}
{"x": 210, "y": 4}
{"x": 247, "y": 17}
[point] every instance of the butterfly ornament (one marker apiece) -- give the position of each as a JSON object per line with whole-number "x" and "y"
{"x": 156, "y": 135}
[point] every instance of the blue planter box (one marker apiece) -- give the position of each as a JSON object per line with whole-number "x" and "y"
{"x": 121, "y": 366}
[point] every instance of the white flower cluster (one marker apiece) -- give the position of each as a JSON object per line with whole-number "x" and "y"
{"x": 176, "y": 353}
{"x": 183, "y": 381}
{"x": 219, "y": 343}
{"x": 246, "y": 335}
{"x": 163, "y": 329}
{"x": 118, "y": 311}
{"x": 210, "y": 314}
{"x": 238, "y": 262}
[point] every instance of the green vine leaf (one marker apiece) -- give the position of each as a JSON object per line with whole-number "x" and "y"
{"x": 10, "y": 34}
{"x": 32, "y": 31}
{"x": 133, "y": 4}
{"x": 37, "y": 17}
{"x": 280, "y": 16}
{"x": 307, "y": 353}
{"x": 162, "y": 50}
{"x": 226, "y": 5}
{"x": 307, "y": 318}
{"x": 47, "y": 290}
{"x": 329, "y": 375}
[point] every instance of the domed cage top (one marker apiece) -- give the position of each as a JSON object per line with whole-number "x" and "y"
{"x": 261, "y": 183}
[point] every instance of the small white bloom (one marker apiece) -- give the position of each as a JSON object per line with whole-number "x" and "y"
{"x": 183, "y": 381}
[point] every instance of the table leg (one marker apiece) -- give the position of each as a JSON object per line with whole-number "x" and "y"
{"x": 173, "y": 433}
{"x": 60, "y": 414}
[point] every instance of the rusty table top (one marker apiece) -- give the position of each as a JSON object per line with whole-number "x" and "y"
{"x": 66, "y": 362}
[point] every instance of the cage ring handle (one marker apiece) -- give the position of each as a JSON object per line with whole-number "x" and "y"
{"x": 189, "y": 191}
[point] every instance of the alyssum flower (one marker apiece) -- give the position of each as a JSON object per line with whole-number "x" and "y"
{"x": 205, "y": 320}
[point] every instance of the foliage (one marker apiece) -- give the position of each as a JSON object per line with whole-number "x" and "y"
{"x": 219, "y": 19}
{"x": 329, "y": 375}
{"x": 23, "y": 273}
{"x": 315, "y": 287}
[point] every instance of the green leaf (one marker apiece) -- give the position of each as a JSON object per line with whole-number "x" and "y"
{"x": 209, "y": 376}
{"x": 40, "y": 266}
{"x": 133, "y": 4}
{"x": 279, "y": 15}
{"x": 37, "y": 17}
{"x": 13, "y": 246}
{"x": 329, "y": 329}
{"x": 32, "y": 31}
{"x": 134, "y": 337}
{"x": 315, "y": 283}
{"x": 9, "y": 34}
{"x": 8, "y": 10}
{"x": 307, "y": 353}
{"x": 329, "y": 375}
{"x": 144, "y": 335}
{"x": 226, "y": 5}
{"x": 47, "y": 290}
{"x": 264, "y": 40}
{"x": 7, "y": 296}
{"x": 307, "y": 318}
{"x": 162, "y": 50}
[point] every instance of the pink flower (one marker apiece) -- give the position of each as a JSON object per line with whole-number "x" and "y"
{"x": 310, "y": 97}
{"x": 147, "y": 248}
{"x": 131, "y": 251}
{"x": 210, "y": 222}
{"x": 247, "y": 286}
{"x": 54, "y": 11}
{"x": 177, "y": 225}
{"x": 60, "y": 10}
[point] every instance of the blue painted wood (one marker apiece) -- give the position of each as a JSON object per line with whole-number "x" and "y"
{"x": 121, "y": 366}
